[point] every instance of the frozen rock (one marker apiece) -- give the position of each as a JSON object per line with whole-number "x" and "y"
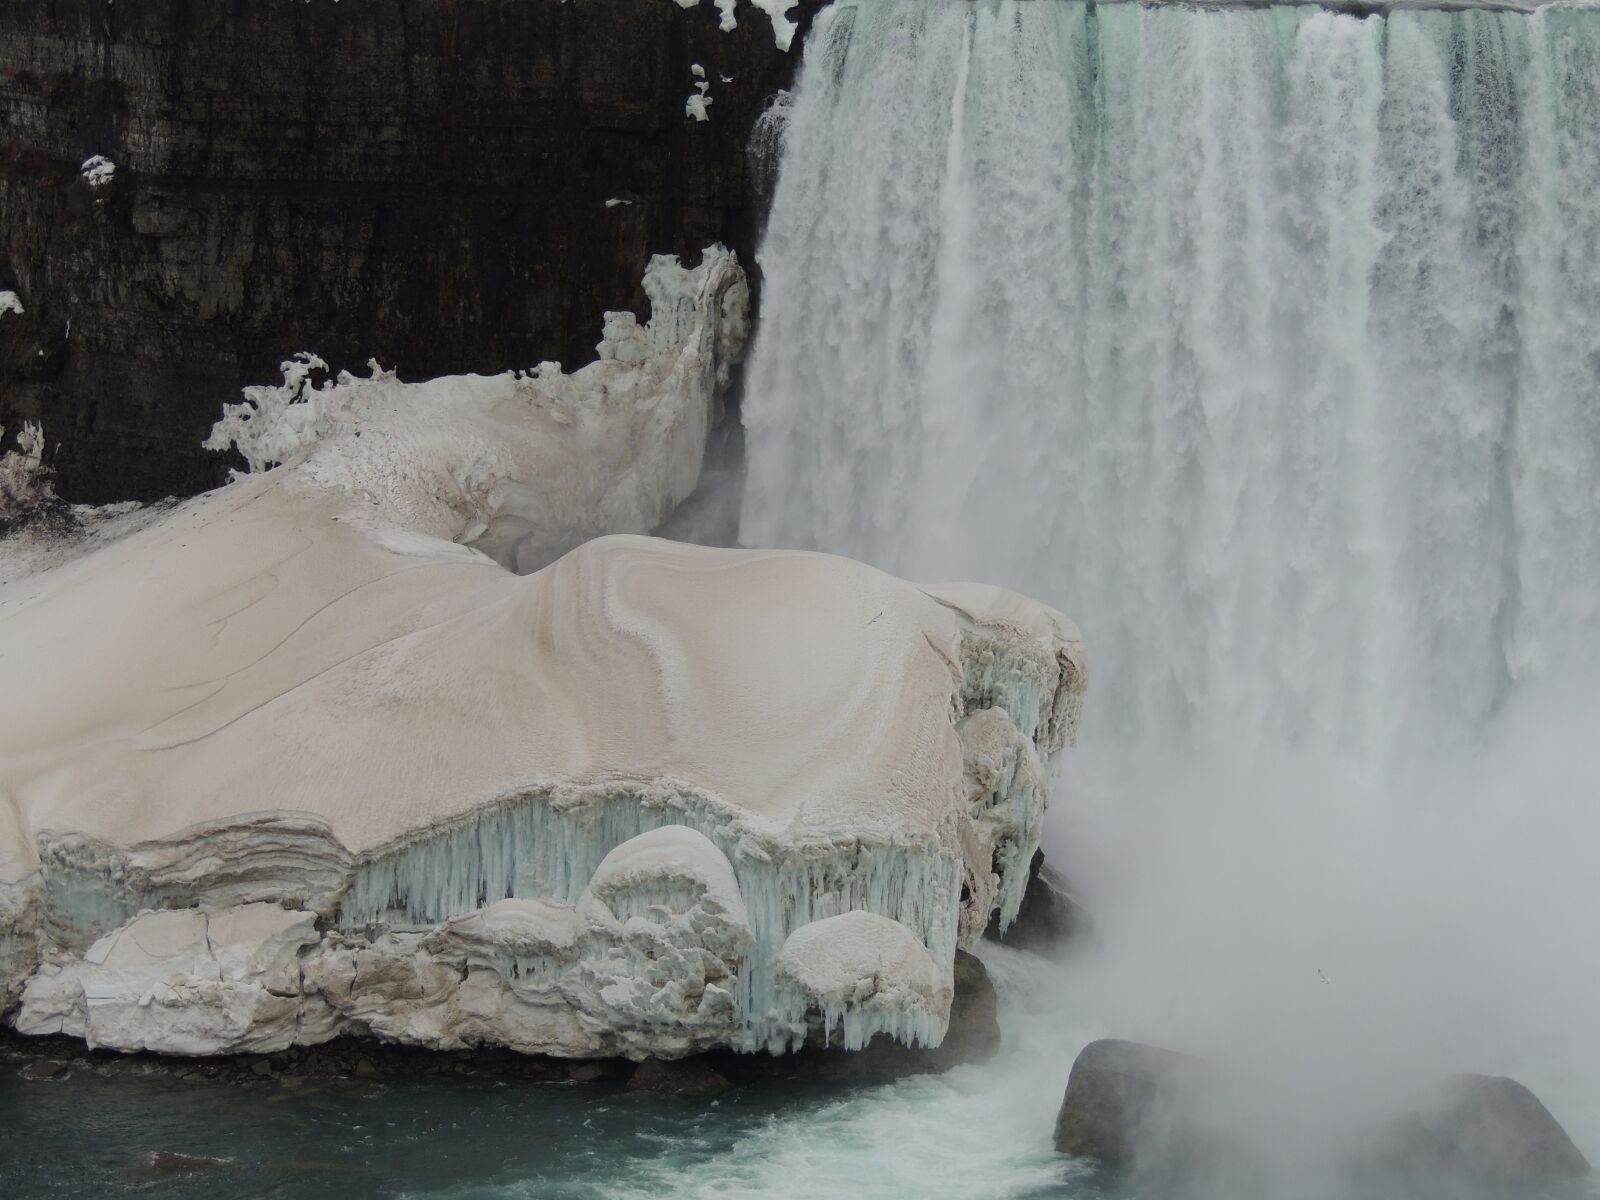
{"x": 863, "y": 973}
{"x": 576, "y": 813}
{"x": 294, "y": 761}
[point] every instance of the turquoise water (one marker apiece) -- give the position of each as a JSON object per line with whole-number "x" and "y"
{"x": 978, "y": 1131}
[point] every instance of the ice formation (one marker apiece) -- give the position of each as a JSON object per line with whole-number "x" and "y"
{"x": 299, "y": 758}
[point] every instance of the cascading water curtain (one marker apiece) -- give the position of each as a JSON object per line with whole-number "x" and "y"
{"x": 1265, "y": 342}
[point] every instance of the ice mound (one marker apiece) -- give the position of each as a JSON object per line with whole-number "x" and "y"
{"x": 293, "y": 760}
{"x": 578, "y": 812}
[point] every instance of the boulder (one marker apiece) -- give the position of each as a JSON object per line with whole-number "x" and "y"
{"x": 1120, "y": 1092}
{"x": 1130, "y": 1105}
{"x": 1486, "y": 1130}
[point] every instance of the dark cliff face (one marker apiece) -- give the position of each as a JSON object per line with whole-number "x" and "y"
{"x": 420, "y": 181}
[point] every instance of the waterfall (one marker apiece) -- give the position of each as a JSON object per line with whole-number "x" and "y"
{"x": 1264, "y": 342}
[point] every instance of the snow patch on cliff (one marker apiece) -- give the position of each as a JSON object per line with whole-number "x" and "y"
{"x": 10, "y": 303}
{"x": 98, "y": 171}
{"x": 783, "y": 27}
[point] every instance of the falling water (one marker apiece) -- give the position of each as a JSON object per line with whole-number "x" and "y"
{"x": 1265, "y": 342}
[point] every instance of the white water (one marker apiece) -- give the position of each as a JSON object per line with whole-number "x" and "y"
{"x": 1265, "y": 343}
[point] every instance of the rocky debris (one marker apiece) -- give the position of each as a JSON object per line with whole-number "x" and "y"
{"x": 682, "y": 1077}
{"x": 1049, "y": 915}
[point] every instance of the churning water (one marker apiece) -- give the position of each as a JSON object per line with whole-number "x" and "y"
{"x": 1263, "y": 342}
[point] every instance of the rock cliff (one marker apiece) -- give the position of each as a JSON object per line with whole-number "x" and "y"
{"x": 426, "y": 182}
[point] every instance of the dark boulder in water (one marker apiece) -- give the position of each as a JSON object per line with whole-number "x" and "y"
{"x": 1119, "y": 1094}
{"x": 1489, "y": 1130}
{"x": 1130, "y": 1105}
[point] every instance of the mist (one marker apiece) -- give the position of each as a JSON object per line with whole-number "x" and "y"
{"x": 1337, "y": 939}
